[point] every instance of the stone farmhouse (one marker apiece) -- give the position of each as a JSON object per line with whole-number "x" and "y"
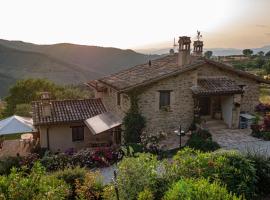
{"x": 171, "y": 90}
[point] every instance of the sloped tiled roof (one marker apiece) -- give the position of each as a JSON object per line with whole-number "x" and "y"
{"x": 67, "y": 111}
{"x": 216, "y": 85}
{"x": 143, "y": 73}
{"x": 162, "y": 68}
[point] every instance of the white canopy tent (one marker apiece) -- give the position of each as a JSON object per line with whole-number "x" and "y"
{"x": 16, "y": 124}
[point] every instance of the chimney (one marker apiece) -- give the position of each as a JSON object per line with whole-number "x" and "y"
{"x": 171, "y": 52}
{"x": 197, "y": 48}
{"x": 46, "y": 104}
{"x": 184, "y": 50}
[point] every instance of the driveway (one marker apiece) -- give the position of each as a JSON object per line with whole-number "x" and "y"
{"x": 240, "y": 139}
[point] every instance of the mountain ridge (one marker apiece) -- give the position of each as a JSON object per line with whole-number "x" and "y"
{"x": 63, "y": 63}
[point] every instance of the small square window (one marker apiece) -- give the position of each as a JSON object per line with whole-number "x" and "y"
{"x": 77, "y": 133}
{"x": 164, "y": 98}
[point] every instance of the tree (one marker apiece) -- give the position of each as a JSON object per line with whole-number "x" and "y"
{"x": 259, "y": 62}
{"x": 260, "y": 53}
{"x": 267, "y": 54}
{"x": 23, "y": 110}
{"x": 208, "y": 54}
{"x": 247, "y": 52}
{"x": 266, "y": 67}
{"x": 28, "y": 90}
{"x": 133, "y": 122}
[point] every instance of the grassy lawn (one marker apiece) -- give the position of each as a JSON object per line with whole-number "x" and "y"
{"x": 265, "y": 94}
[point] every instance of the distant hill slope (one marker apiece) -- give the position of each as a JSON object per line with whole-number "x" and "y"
{"x": 62, "y": 63}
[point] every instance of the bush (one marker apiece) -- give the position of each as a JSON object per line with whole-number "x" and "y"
{"x": 266, "y": 135}
{"x": 7, "y": 163}
{"x": 56, "y": 162}
{"x": 262, "y": 166}
{"x": 198, "y": 190}
{"x": 37, "y": 185}
{"x": 71, "y": 177}
{"x": 136, "y": 174}
{"x": 91, "y": 187}
{"x": 230, "y": 168}
{"x": 145, "y": 195}
{"x": 205, "y": 134}
{"x": 202, "y": 140}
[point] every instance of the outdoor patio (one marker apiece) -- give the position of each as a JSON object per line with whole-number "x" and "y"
{"x": 240, "y": 139}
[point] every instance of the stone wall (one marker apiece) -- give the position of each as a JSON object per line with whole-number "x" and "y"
{"x": 109, "y": 99}
{"x": 181, "y": 108}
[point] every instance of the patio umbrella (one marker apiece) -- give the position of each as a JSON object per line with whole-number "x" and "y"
{"x": 16, "y": 124}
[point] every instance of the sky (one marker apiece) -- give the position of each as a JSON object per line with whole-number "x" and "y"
{"x": 136, "y": 23}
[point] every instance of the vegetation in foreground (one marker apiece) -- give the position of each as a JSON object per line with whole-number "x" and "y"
{"x": 192, "y": 174}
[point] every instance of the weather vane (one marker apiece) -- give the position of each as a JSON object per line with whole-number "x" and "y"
{"x": 199, "y": 35}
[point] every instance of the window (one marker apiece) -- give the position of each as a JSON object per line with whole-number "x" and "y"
{"x": 77, "y": 133}
{"x": 164, "y": 98}
{"x": 118, "y": 98}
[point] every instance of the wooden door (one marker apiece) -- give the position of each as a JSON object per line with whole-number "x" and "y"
{"x": 204, "y": 105}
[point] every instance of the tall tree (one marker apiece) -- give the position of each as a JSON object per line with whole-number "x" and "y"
{"x": 133, "y": 122}
{"x": 25, "y": 91}
{"x": 208, "y": 54}
{"x": 267, "y": 54}
{"x": 247, "y": 52}
{"x": 260, "y": 53}
{"x": 267, "y": 67}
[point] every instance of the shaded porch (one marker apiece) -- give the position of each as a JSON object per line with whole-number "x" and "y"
{"x": 217, "y": 99}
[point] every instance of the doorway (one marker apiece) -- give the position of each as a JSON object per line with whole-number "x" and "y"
{"x": 204, "y": 105}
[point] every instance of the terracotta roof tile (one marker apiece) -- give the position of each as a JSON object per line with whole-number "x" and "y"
{"x": 216, "y": 85}
{"x": 161, "y": 68}
{"x": 67, "y": 111}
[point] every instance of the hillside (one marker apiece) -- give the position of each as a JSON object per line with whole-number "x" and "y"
{"x": 61, "y": 63}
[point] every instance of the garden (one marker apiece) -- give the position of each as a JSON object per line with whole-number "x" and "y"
{"x": 261, "y": 124}
{"x": 190, "y": 174}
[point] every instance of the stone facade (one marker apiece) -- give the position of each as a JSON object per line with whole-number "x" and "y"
{"x": 109, "y": 99}
{"x": 181, "y": 109}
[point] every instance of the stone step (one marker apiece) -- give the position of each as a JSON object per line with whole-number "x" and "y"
{"x": 215, "y": 124}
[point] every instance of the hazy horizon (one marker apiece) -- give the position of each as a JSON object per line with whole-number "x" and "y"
{"x": 138, "y": 24}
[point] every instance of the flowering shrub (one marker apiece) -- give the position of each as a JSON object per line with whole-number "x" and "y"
{"x": 83, "y": 158}
{"x": 56, "y": 162}
{"x": 262, "y": 108}
{"x": 266, "y": 123}
{"x": 29, "y": 160}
